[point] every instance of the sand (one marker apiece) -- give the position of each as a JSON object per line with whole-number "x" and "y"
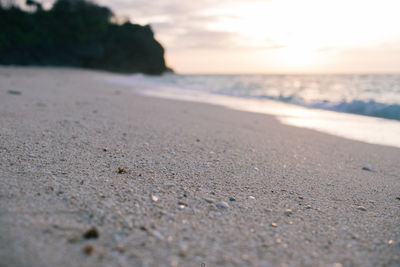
{"x": 169, "y": 183}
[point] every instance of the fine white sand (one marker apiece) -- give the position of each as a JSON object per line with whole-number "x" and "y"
{"x": 301, "y": 197}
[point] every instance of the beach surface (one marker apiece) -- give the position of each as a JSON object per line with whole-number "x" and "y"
{"x": 92, "y": 174}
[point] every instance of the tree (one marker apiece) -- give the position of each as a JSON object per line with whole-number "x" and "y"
{"x": 77, "y": 33}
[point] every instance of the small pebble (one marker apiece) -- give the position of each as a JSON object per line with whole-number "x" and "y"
{"x": 92, "y": 233}
{"x": 174, "y": 263}
{"x": 88, "y": 249}
{"x": 361, "y": 208}
{"x": 154, "y": 198}
{"x": 288, "y": 212}
{"x": 209, "y": 200}
{"x": 183, "y": 249}
{"x": 222, "y": 205}
{"x": 120, "y": 249}
{"x": 274, "y": 224}
{"x": 157, "y": 235}
{"x": 353, "y": 236}
{"x": 251, "y": 197}
{"x": 232, "y": 199}
{"x": 390, "y": 242}
{"x": 121, "y": 170}
{"x": 182, "y": 203}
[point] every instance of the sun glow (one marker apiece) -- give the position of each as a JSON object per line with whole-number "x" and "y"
{"x": 297, "y": 56}
{"x": 295, "y": 32}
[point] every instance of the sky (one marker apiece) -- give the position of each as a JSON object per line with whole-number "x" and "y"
{"x": 272, "y": 36}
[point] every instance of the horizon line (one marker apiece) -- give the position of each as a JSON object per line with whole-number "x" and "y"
{"x": 287, "y": 73}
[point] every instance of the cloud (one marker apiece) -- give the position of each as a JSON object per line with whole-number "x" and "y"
{"x": 185, "y": 24}
{"x": 145, "y": 8}
{"x": 192, "y": 35}
{"x": 201, "y": 39}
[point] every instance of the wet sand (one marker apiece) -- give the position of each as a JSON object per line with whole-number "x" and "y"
{"x": 169, "y": 183}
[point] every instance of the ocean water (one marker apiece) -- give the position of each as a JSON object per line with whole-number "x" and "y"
{"x": 359, "y": 107}
{"x": 370, "y": 95}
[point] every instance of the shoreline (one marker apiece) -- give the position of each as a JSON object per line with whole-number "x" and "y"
{"x": 300, "y": 197}
{"x": 369, "y": 129}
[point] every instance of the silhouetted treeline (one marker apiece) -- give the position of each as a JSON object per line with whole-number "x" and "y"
{"x": 77, "y": 33}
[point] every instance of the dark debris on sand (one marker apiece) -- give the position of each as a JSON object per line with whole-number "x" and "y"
{"x": 14, "y": 92}
{"x": 92, "y": 233}
{"x": 368, "y": 169}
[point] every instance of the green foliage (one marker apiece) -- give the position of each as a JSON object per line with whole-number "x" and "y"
{"x": 77, "y": 33}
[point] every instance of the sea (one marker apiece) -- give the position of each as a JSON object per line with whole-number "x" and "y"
{"x": 363, "y": 107}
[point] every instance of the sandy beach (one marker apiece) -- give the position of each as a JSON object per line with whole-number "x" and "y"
{"x": 92, "y": 174}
